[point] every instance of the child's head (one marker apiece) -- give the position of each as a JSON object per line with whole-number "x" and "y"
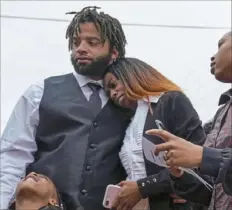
{"x": 36, "y": 191}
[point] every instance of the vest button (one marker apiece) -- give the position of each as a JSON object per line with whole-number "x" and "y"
{"x": 95, "y": 124}
{"x": 93, "y": 146}
{"x": 88, "y": 168}
{"x": 84, "y": 192}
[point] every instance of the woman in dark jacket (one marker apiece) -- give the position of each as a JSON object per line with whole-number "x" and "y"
{"x": 133, "y": 84}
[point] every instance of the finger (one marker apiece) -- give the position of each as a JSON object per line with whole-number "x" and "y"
{"x": 169, "y": 154}
{"x": 122, "y": 204}
{"x": 127, "y": 205}
{"x": 165, "y": 135}
{"x": 165, "y": 156}
{"x": 170, "y": 163}
{"x": 127, "y": 208}
{"x": 116, "y": 202}
{"x": 175, "y": 172}
{"x": 179, "y": 200}
{"x": 121, "y": 183}
{"x": 163, "y": 147}
{"x": 173, "y": 162}
{"x": 175, "y": 169}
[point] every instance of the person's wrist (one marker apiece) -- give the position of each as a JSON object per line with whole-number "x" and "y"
{"x": 176, "y": 178}
{"x": 176, "y": 172}
{"x": 142, "y": 187}
{"x": 199, "y": 155}
{"x": 137, "y": 189}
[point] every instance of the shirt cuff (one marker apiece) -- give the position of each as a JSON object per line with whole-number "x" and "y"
{"x": 211, "y": 160}
{"x": 142, "y": 184}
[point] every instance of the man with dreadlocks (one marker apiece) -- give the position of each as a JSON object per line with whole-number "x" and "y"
{"x": 66, "y": 128}
{"x": 95, "y": 39}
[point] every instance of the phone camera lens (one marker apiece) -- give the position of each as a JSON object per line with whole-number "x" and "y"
{"x": 107, "y": 203}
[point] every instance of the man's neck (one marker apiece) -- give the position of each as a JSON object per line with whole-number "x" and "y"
{"x": 96, "y": 78}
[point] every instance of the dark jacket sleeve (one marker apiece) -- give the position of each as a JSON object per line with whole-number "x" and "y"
{"x": 183, "y": 121}
{"x": 188, "y": 187}
{"x": 221, "y": 169}
{"x": 191, "y": 189}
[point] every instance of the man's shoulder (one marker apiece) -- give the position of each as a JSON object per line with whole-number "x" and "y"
{"x": 58, "y": 77}
{"x": 35, "y": 91}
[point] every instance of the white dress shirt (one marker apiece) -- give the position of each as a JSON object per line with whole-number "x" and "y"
{"x": 18, "y": 145}
{"x": 131, "y": 153}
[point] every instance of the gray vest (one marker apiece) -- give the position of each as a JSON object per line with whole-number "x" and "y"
{"x": 78, "y": 151}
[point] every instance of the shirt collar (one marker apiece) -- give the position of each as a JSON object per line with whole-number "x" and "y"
{"x": 84, "y": 80}
{"x": 225, "y": 97}
{"x": 153, "y": 99}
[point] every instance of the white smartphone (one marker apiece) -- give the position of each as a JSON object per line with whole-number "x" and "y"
{"x": 110, "y": 194}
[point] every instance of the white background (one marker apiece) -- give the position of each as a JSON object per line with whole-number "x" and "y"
{"x": 33, "y": 50}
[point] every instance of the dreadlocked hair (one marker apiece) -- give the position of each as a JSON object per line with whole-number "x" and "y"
{"x": 109, "y": 28}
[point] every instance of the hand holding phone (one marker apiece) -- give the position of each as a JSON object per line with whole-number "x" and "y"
{"x": 110, "y": 194}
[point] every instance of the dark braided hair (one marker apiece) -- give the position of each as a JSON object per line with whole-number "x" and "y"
{"x": 110, "y": 28}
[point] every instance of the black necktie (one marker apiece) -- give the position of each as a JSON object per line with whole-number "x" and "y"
{"x": 95, "y": 100}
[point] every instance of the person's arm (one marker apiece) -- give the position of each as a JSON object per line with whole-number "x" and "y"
{"x": 155, "y": 184}
{"x": 191, "y": 189}
{"x": 227, "y": 180}
{"x": 221, "y": 169}
{"x": 192, "y": 130}
{"x": 18, "y": 143}
{"x": 184, "y": 122}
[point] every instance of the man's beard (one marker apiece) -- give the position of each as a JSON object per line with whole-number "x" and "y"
{"x": 96, "y": 68}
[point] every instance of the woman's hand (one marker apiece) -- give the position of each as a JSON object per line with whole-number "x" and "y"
{"x": 128, "y": 196}
{"x": 176, "y": 172}
{"x": 177, "y": 199}
{"x": 179, "y": 151}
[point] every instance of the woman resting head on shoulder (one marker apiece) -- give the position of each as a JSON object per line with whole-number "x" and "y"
{"x": 133, "y": 84}
{"x": 36, "y": 192}
{"x": 129, "y": 80}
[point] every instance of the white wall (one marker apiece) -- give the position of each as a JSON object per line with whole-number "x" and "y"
{"x": 32, "y": 50}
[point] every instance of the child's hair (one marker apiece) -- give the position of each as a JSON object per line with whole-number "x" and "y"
{"x": 60, "y": 205}
{"x": 51, "y": 207}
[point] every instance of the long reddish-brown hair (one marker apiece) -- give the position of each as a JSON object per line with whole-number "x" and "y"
{"x": 140, "y": 79}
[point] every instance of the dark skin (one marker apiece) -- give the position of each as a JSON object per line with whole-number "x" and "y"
{"x": 179, "y": 151}
{"x": 221, "y": 66}
{"x": 34, "y": 192}
{"x": 116, "y": 91}
{"x": 129, "y": 194}
{"x": 88, "y": 46}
